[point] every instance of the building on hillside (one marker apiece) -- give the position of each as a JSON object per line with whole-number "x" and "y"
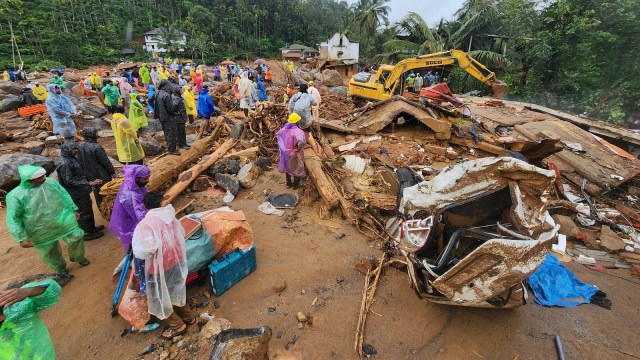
{"x": 339, "y": 48}
{"x": 154, "y": 40}
{"x": 296, "y": 51}
{"x": 339, "y": 54}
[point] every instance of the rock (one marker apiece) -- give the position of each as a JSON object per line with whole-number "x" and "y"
{"x": 201, "y": 183}
{"x": 9, "y": 103}
{"x": 216, "y": 304}
{"x": 191, "y": 139}
{"x": 53, "y": 140}
{"x": 212, "y": 328}
{"x": 271, "y": 311}
{"x": 148, "y": 349}
{"x": 181, "y": 344}
{"x": 97, "y": 124}
{"x": 248, "y": 175}
{"x": 91, "y": 109}
{"x": 340, "y": 90}
{"x": 307, "y": 76}
{"x": 368, "y": 349}
{"x": 203, "y": 303}
{"x": 43, "y": 135}
{"x": 9, "y": 87}
{"x": 233, "y": 167}
{"x": 69, "y": 85}
{"x": 263, "y": 162}
{"x": 243, "y": 344}
{"x": 610, "y": 241}
{"x": 318, "y": 77}
{"x": 164, "y": 355}
{"x": 77, "y": 91}
{"x": 280, "y": 287}
{"x": 228, "y": 182}
{"x": 150, "y": 145}
{"x": 54, "y": 153}
{"x": 567, "y": 226}
{"x": 153, "y": 126}
{"x": 176, "y": 338}
{"x": 105, "y": 134}
{"x": 159, "y": 135}
{"x": 301, "y": 317}
{"x": 332, "y": 78}
{"x": 33, "y": 147}
{"x": 115, "y": 162}
{"x": 206, "y": 295}
{"x": 9, "y": 163}
{"x": 280, "y": 334}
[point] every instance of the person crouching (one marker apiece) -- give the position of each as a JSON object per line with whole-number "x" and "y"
{"x": 291, "y": 140}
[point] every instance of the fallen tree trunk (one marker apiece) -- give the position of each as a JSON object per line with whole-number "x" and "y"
{"x": 480, "y": 145}
{"x": 324, "y": 185}
{"x": 188, "y": 176}
{"x": 246, "y": 152}
{"x": 168, "y": 167}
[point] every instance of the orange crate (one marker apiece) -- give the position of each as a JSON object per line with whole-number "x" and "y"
{"x": 32, "y": 110}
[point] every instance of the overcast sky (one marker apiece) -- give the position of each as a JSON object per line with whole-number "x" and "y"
{"x": 431, "y": 10}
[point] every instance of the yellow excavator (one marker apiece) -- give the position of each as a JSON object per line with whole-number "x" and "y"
{"x": 389, "y": 79}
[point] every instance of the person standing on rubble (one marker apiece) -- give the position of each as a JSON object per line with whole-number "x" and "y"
{"x": 180, "y": 117}
{"x": 94, "y": 160}
{"x": 158, "y": 240}
{"x": 144, "y": 76}
{"x": 125, "y": 92}
{"x": 205, "y": 109}
{"x": 39, "y": 213}
{"x": 62, "y": 112}
{"x": 244, "y": 86}
{"x": 165, "y": 113}
{"x": 128, "y": 208}
{"x": 189, "y": 103}
{"x": 111, "y": 96}
{"x": 155, "y": 76}
{"x": 315, "y": 109}
{"x": 128, "y": 147}
{"x": 137, "y": 117}
{"x": 291, "y": 140}
{"x": 73, "y": 179}
{"x": 411, "y": 80}
{"x": 301, "y": 104}
{"x": 418, "y": 83}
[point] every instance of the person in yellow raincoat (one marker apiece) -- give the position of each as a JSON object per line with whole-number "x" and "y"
{"x": 189, "y": 103}
{"x": 137, "y": 117}
{"x": 6, "y": 76}
{"x": 128, "y": 148}
{"x": 96, "y": 81}
{"x": 163, "y": 73}
{"x": 40, "y": 92}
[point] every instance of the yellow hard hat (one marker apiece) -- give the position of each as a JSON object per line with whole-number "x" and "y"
{"x": 294, "y": 118}
{"x": 311, "y": 82}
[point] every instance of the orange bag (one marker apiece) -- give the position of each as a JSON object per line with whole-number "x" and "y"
{"x": 228, "y": 230}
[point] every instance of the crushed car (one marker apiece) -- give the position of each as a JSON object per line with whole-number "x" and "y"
{"x": 476, "y": 231}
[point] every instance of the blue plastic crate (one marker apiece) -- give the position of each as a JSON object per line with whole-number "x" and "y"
{"x": 231, "y": 268}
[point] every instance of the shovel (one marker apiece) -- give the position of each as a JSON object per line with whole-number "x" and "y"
{"x": 123, "y": 276}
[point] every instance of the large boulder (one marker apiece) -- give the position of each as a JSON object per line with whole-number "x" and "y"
{"x": 150, "y": 145}
{"x": 9, "y": 87}
{"x": 97, "y": 124}
{"x": 153, "y": 127}
{"x": 10, "y": 102}
{"x": 307, "y": 76}
{"x": 318, "y": 77}
{"x": 339, "y": 90}
{"x": 9, "y": 177}
{"x": 332, "y": 78}
{"x": 91, "y": 109}
{"x": 228, "y": 182}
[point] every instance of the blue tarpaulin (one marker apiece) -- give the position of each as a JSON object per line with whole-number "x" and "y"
{"x": 554, "y": 285}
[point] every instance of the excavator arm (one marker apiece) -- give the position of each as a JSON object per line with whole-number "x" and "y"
{"x": 451, "y": 57}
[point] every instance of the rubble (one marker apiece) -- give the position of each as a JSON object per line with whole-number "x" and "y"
{"x": 9, "y": 163}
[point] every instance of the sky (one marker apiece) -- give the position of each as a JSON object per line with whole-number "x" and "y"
{"x": 431, "y": 10}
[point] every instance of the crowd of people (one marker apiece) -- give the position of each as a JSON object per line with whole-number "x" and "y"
{"x": 43, "y": 211}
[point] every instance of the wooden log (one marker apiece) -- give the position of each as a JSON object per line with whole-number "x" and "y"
{"x": 492, "y": 149}
{"x": 314, "y": 145}
{"x": 324, "y": 185}
{"x": 188, "y": 176}
{"x": 168, "y": 167}
{"x": 246, "y": 152}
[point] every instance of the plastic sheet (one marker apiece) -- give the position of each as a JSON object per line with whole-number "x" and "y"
{"x": 554, "y": 285}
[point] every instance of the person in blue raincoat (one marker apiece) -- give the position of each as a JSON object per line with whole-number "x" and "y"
{"x": 262, "y": 93}
{"x": 205, "y": 107}
{"x": 151, "y": 99}
{"x": 61, "y": 111}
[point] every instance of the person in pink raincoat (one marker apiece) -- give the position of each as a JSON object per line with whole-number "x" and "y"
{"x": 198, "y": 81}
{"x": 291, "y": 140}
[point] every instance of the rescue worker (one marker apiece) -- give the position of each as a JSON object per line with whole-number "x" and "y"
{"x": 61, "y": 111}
{"x": 94, "y": 160}
{"x": 244, "y": 87}
{"x": 128, "y": 148}
{"x": 164, "y": 113}
{"x": 291, "y": 140}
{"x": 137, "y": 117}
{"x": 56, "y": 80}
{"x": 411, "y": 80}
{"x": 111, "y": 96}
{"x": 128, "y": 209}
{"x": 262, "y": 92}
{"x": 418, "y": 83}
{"x": 205, "y": 108}
{"x": 179, "y": 117}
{"x": 268, "y": 76}
{"x": 189, "y": 103}
{"x": 40, "y": 92}
{"x": 145, "y": 77}
{"x": 72, "y": 177}
{"x": 315, "y": 109}
{"x": 301, "y": 104}
{"x": 39, "y": 213}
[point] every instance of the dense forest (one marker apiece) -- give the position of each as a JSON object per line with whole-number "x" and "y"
{"x": 580, "y": 55}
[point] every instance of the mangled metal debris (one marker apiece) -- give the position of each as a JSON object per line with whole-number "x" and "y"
{"x": 476, "y": 231}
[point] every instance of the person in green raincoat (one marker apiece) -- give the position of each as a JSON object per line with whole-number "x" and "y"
{"x": 111, "y": 96}
{"x": 23, "y": 334}
{"x": 56, "y": 80}
{"x": 146, "y": 77}
{"x": 39, "y": 213}
{"x": 137, "y": 117}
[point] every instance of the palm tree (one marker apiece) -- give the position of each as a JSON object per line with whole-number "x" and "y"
{"x": 170, "y": 37}
{"x": 413, "y": 37}
{"x": 370, "y": 15}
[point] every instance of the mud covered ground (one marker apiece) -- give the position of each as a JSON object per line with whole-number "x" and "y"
{"x": 316, "y": 259}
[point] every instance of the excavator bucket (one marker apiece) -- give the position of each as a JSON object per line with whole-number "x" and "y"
{"x": 500, "y": 89}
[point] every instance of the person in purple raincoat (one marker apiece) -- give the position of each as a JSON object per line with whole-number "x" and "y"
{"x": 291, "y": 140}
{"x": 128, "y": 208}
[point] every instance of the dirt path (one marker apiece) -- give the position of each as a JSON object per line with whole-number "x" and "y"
{"x": 313, "y": 258}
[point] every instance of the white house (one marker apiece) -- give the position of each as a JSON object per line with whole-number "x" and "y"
{"x": 153, "y": 40}
{"x": 340, "y": 48}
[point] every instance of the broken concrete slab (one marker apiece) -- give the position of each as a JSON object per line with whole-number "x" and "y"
{"x": 376, "y": 117}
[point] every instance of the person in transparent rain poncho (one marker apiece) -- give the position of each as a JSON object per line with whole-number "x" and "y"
{"x": 158, "y": 240}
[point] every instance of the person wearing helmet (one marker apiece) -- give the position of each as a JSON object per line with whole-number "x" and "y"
{"x": 291, "y": 140}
